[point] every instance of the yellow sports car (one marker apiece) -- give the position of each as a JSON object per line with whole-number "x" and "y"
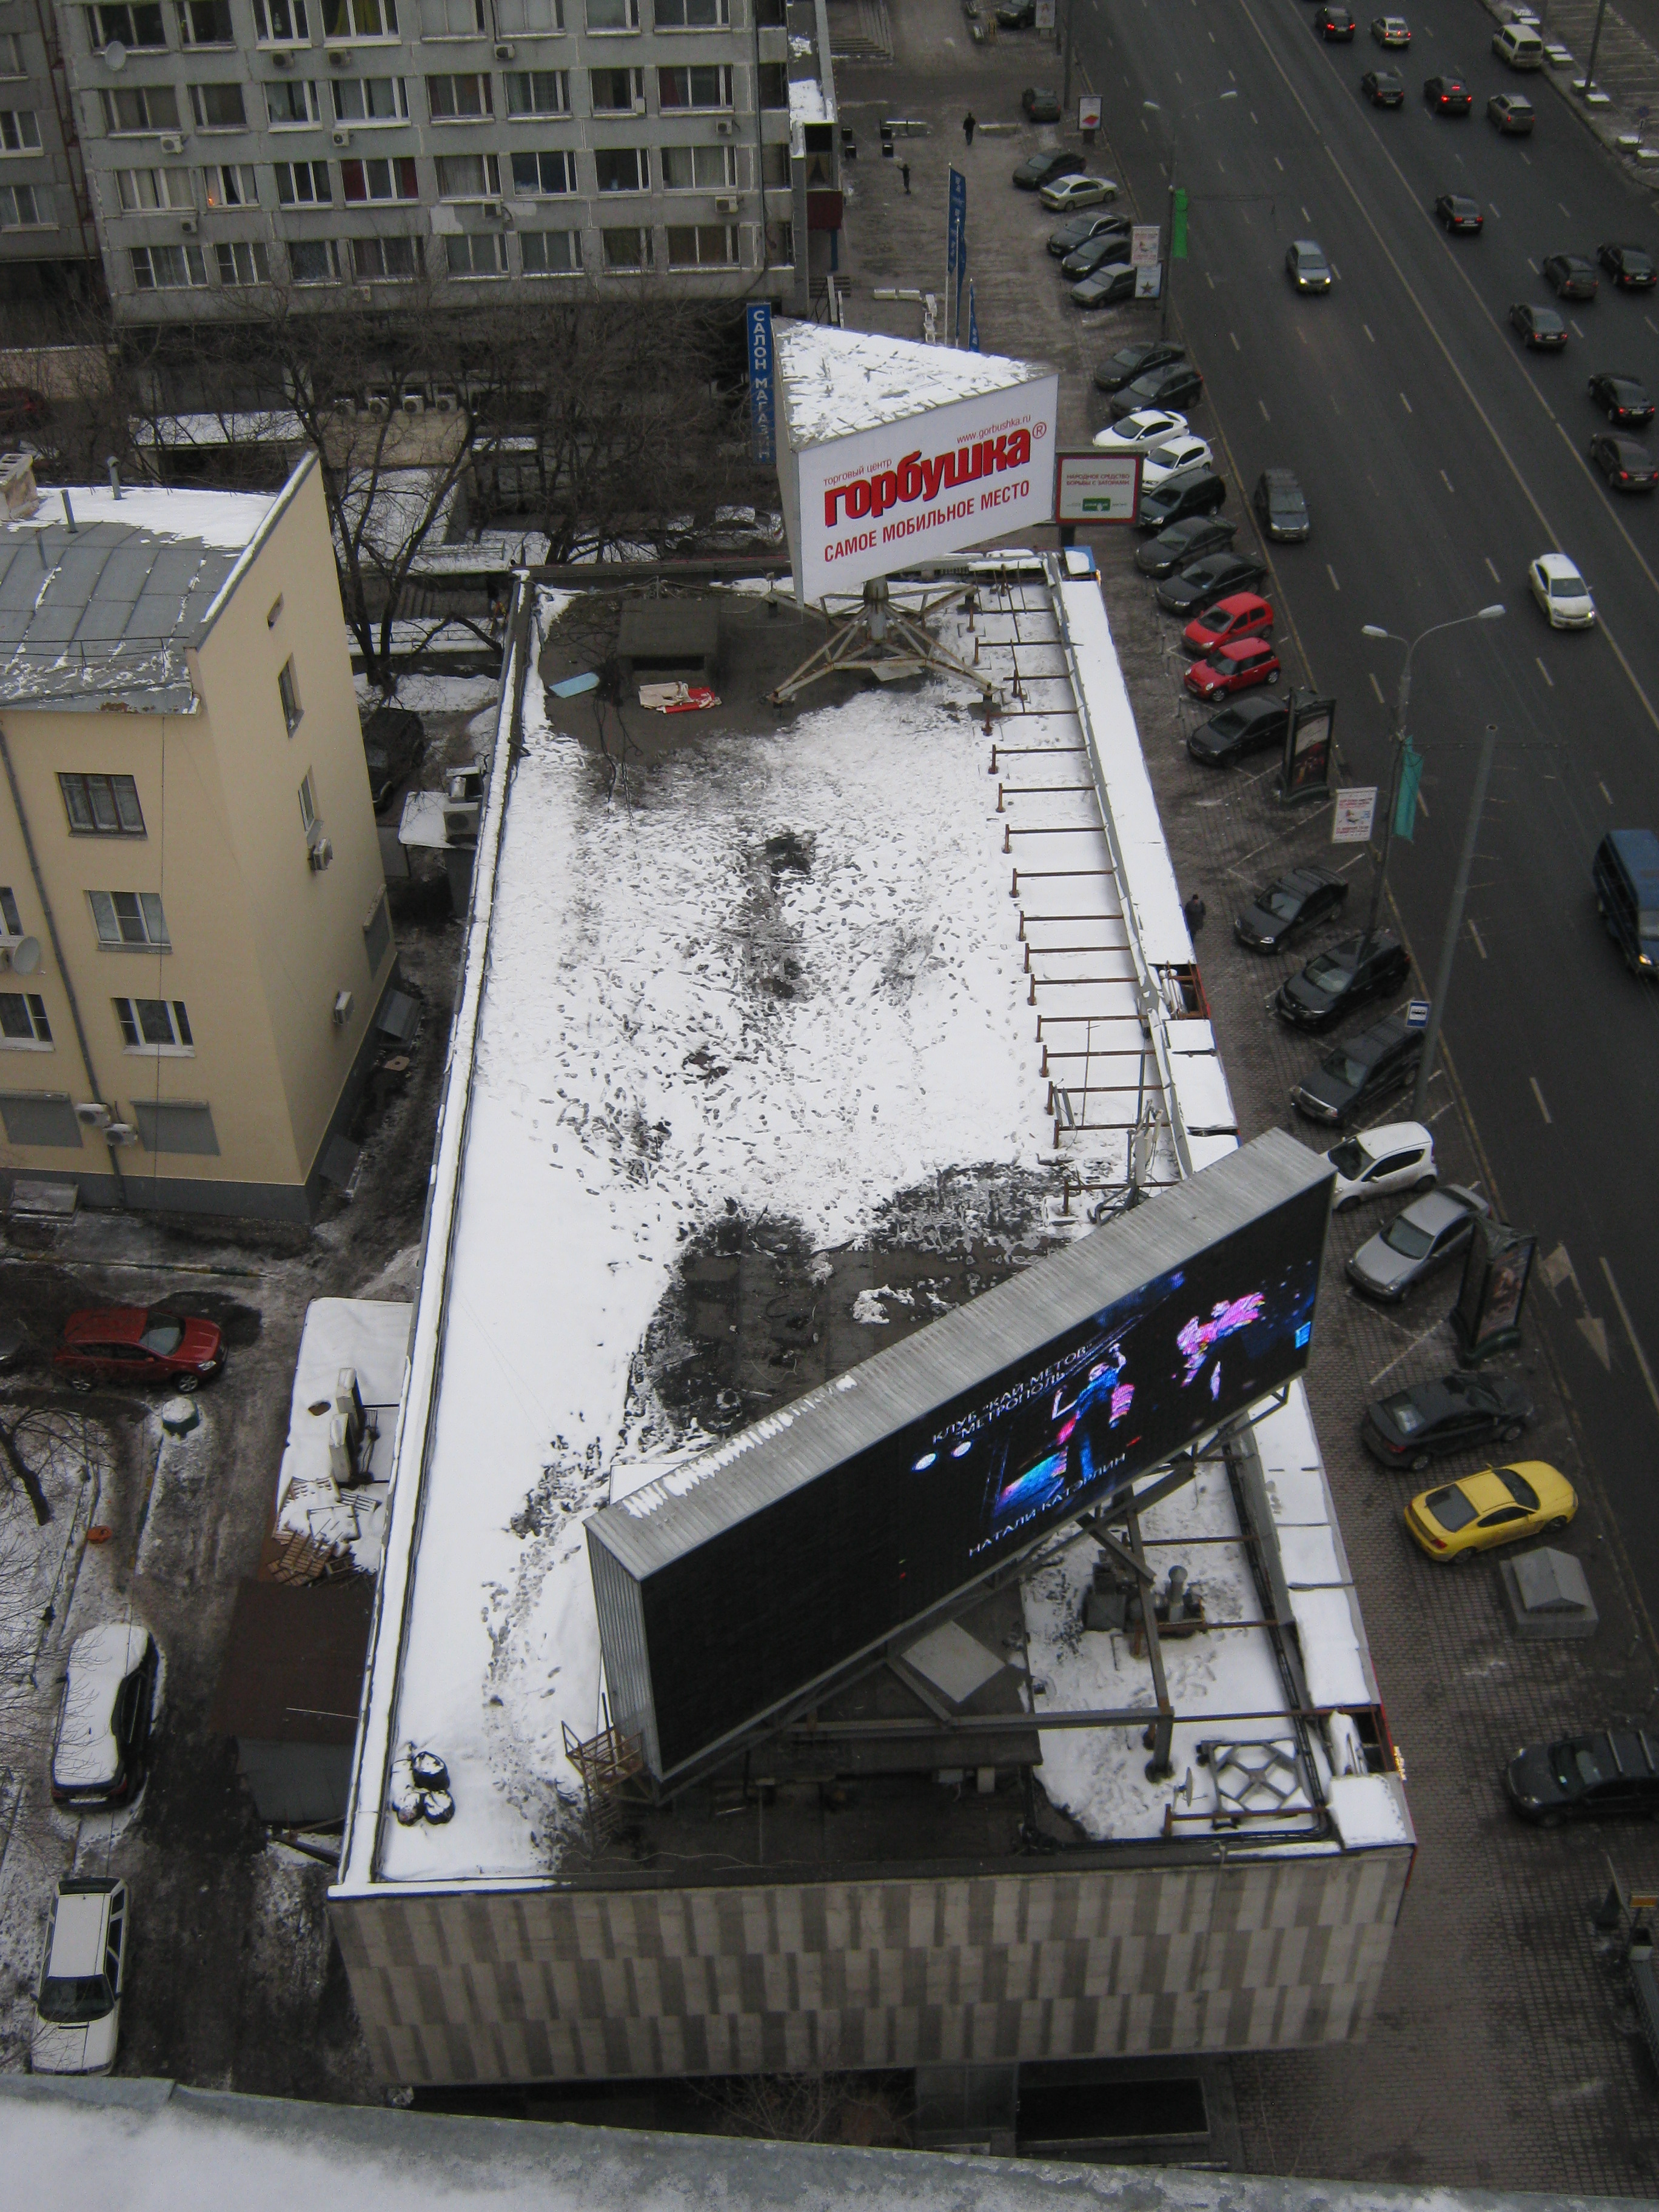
{"x": 1500, "y": 1505}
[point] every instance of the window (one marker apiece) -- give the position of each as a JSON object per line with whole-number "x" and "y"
{"x": 617, "y": 91}
{"x": 9, "y": 912}
{"x": 613, "y": 14}
{"x": 693, "y": 86}
{"x": 377, "y": 933}
{"x": 130, "y": 918}
{"x": 23, "y": 1019}
{"x": 102, "y": 805}
{"x": 218, "y": 107}
{"x": 302, "y": 184}
{"x": 20, "y": 132}
{"x": 243, "y": 261}
{"x": 773, "y": 82}
{"x": 307, "y": 803}
{"x": 288, "y": 687}
{"x": 155, "y": 1025}
{"x": 231, "y": 184}
{"x": 282, "y": 22}
{"x": 692, "y": 14}
{"x": 621, "y": 169}
{"x": 453, "y": 19}
{"x": 699, "y": 169}
{"x": 168, "y": 267}
{"x": 384, "y": 260}
{"x": 133, "y": 110}
{"x": 458, "y": 99}
{"x": 360, "y": 19}
{"x": 292, "y": 104}
{"x": 370, "y": 99}
{"x": 380, "y": 180}
{"x": 176, "y": 1125}
{"x": 25, "y": 207}
{"x": 529, "y": 18}
{"x": 552, "y": 252}
{"x": 774, "y": 164}
{"x": 312, "y": 261}
{"x": 543, "y": 176}
{"x": 11, "y": 55}
{"x": 702, "y": 245}
{"x": 538, "y": 92}
{"x": 626, "y": 249}
{"x": 139, "y": 25}
{"x": 469, "y": 177}
{"x": 477, "y": 253}
{"x": 205, "y": 23}
{"x": 772, "y": 15}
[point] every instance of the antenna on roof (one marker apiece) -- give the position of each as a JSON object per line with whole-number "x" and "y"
{"x": 114, "y": 476}
{"x": 69, "y": 514}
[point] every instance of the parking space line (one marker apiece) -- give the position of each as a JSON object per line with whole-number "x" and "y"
{"x": 1635, "y": 1343}
{"x": 1406, "y": 1354}
{"x": 1544, "y": 672}
{"x": 1475, "y": 935}
{"x": 1539, "y": 1096}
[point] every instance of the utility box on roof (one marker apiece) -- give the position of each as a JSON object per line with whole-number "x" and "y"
{"x": 664, "y": 640}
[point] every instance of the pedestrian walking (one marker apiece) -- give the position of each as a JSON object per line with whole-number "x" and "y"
{"x": 1193, "y": 913}
{"x": 969, "y": 124}
{"x": 904, "y": 170}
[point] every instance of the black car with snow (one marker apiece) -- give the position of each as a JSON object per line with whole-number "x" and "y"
{"x": 100, "y": 1752}
{"x": 1412, "y": 1427}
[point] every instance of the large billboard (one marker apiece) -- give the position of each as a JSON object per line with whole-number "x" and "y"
{"x": 738, "y": 1614}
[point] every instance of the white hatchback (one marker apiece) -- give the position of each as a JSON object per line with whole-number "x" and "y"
{"x": 1140, "y": 432}
{"x": 1173, "y": 457}
{"x": 1562, "y": 592}
{"x": 1397, "y": 1156}
{"x": 77, "y": 2006}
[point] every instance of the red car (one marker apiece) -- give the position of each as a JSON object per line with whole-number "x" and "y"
{"x": 1244, "y": 615}
{"x": 130, "y": 1344}
{"x": 1233, "y": 668}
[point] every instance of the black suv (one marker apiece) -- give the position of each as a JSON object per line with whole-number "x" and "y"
{"x": 1361, "y": 1070}
{"x": 1182, "y": 544}
{"x": 1284, "y": 907}
{"x": 1178, "y": 384}
{"x": 1279, "y": 506}
{"x": 1201, "y": 493}
{"x": 1335, "y": 983}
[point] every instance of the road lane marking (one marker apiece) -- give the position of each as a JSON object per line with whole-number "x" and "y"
{"x": 1494, "y": 208}
{"x": 1405, "y": 402}
{"x": 1209, "y": 280}
{"x": 1233, "y": 335}
{"x": 1331, "y": 572}
{"x": 1254, "y": 118}
{"x": 1532, "y": 265}
{"x": 1651, "y": 325}
{"x": 1527, "y": 158}
{"x": 1367, "y": 329}
{"x": 1635, "y": 1342}
{"x": 1306, "y": 217}
{"x": 1495, "y": 578}
{"x": 1446, "y": 480}
{"x": 1544, "y": 672}
{"x": 1279, "y": 165}
{"x": 1262, "y": 405}
{"x": 1475, "y": 935}
{"x": 1539, "y": 1096}
{"x": 1564, "y": 209}
{"x": 1575, "y": 326}
{"x": 1377, "y": 688}
{"x": 1422, "y": 802}
{"x": 1302, "y": 334}
{"x": 1606, "y": 794}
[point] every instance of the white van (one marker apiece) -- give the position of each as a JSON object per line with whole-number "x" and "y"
{"x": 1519, "y": 45}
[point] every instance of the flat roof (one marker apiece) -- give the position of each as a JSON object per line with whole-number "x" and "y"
{"x": 754, "y": 1022}
{"x": 834, "y": 382}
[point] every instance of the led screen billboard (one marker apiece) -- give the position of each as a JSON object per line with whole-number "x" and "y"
{"x": 740, "y": 1617}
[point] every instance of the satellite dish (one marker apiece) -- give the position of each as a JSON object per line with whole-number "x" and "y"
{"x": 24, "y": 956}
{"x": 115, "y": 55}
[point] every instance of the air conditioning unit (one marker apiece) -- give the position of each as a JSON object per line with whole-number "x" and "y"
{"x": 729, "y": 205}
{"x": 336, "y": 60}
{"x": 189, "y": 225}
{"x": 21, "y": 954}
{"x": 341, "y": 137}
{"x": 321, "y": 853}
{"x": 461, "y": 822}
{"x": 171, "y": 144}
{"x": 378, "y": 406}
{"x": 413, "y": 403}
{"x": 727, "y": 127}
{"x": 346, "y": 407}
{"x": 120, "y": 1133}
{"x": 282, "y": 61}
{"x": 92, "y": 1115}
{"x": 504, "y": 51}
{"x": 491, "y": 210}
{"x": 445, "y": 403}
{"x": 344, "y": 1003}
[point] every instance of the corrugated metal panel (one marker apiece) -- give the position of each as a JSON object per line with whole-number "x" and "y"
{"x": 627, "y": 1666}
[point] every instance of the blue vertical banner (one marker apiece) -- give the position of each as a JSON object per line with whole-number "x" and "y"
{"x": 956, "y": 249}
{"x": 973, "y": 321}
{"x": 761, "y": 415}
{"x": 1411, "y": 781}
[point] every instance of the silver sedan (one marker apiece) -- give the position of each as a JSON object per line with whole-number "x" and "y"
{"x": 1416, "y": 1243}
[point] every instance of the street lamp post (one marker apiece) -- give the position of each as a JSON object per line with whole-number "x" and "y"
{"x": 1168, "y": 285}
{"x": 1454, "y": 924}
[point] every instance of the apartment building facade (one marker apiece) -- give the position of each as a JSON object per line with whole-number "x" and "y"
{"x": 48, "y": 240}
{"x": 196, "y": 944}
{"x": 341, "y": 147}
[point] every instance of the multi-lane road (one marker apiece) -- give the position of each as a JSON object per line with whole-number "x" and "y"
{"x": 1438, "y": 459}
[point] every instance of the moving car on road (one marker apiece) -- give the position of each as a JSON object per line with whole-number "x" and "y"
{"x": 1511, "y": 115}
{"x": 1178, "y": 384}
{"x": 1279, "y": 506}
{"x": 1416, "y": 1243}
{"x": 100, "y": 1752}
{"x": 1585, "y": 1777}
{"x": 1541, "y": 328}
{"x": 1306, "y": 266}
{"x": 130, "y": 1344}
{"x": 1182, "y": 544}
{"x": 1064, "y": 194}
{"x": 1363, "y": 1070}
{"x": 1254, "y": 724}
{"x": 1627, "y": 876}
{"x": 1039, "y": 169}
{"x": 1631, "y": 267}
{"x": 1458, "y": 212}
{"x": 1623, "y": 399}
{"x": 1123, "y": 366}
{"x": 1396, "y": 1156}
{"x": 78, "y": 2003}
{"x": 1571, "y": 275}
{"x": 1415, "y": 1426}
{"x": 1140, "y": 432}
{"x": 1519, "y": 45}
{"x": 1335, "y": 24}
{"x": 1201, "y": 493}
{"x": 1625, "y": 462}
{"x": 1448, "y": 93}
{"x": 1291, "y": 903}
{"x": 1232, "y": 668}
{"x": 1335, "y": 983}
{"x": 1245, "y": 614}
{"x": 1215, "y": 577}
{"x": 1562, "y": 592}
{"x": 1500, "y": 1506}
{"x": 1383, "y": 88}
{"x": 1391, "y": 31}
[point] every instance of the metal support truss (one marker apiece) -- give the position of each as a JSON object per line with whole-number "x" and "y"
{"x": 884, "y": 640}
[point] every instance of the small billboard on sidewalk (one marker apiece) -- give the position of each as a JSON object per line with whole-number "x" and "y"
{"x": 1097, "y": 488}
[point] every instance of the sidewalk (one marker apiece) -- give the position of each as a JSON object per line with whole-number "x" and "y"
{"x": 1626, "y": 71}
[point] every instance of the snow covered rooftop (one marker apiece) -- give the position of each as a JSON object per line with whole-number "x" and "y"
{"x": 833, "y": 383}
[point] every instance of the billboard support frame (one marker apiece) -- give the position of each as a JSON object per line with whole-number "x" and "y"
{"x": 879, "y": 638}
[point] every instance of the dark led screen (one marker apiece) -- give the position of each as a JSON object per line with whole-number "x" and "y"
{"x": 773, "y": 1603}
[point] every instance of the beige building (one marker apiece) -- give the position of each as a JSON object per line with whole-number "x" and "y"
{"x": 195, "y": 926}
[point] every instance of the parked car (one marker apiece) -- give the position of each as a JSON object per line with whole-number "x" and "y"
{"x": 1571, "y": 275}
{"x": 1107, "y": 246}
{"x": 1511, "y": 115}
{"x": 1625, "y": 464}
{"x": 1395, "y": 1156}
{"x": 78, "y": 2002}
{"x": 1585, "y": 1777}
{"x": 1562, "y": 592}
{"x": 101, "y": 1750}
{"x": 1173, "y": 457}
{"x": 1077, "y": 229}
{"x": 1291, "y": 903}
{"x": 1182, "y": 544}
{"x": 1448, "y": 93}
{"x": 1280, "y": 508}
{"x": 1016, "y": 14}
{"x": 394, "y": 742}
{"x": 1205, "y": 582}
{"x": 1123, "y": 366}
{"x": 1360, "y": 1072}
{"x": 1138, "y": 433}
{"x": 1631, "y": 267}
{"x": 1309, "y": 270}
{"x": 1624, "y": 400}
{"x": 1500, "y": 1506}
{"x": 1541, "y": 328}
{"x": 1336, "y": 981}
{"x": 1391, "y": 31}
{"x": 1457, "y": 212}
{"x": 1201, "y": 493}
{"x": 1335, "y": 24}
{"x": 1039, "y": 169}
{"x": 130, "y": 1344}
{"x": 1254, "y": 724}
{"x": 1232, "y": 668}
{"x": 1038, "y": 104}
{"x": 1383, "y": 88}
{"x": 1112, "y": 281}
{"x": 1243, "y": 614}
{"x": 1064, "y": 194}
{"x": 1413, "y": 1426}
{"x": 1416, "y": 1243}
{"x": 1178, "y": 384}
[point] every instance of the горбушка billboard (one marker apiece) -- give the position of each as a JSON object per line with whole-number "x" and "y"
{"x": 726, "y": 1589}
